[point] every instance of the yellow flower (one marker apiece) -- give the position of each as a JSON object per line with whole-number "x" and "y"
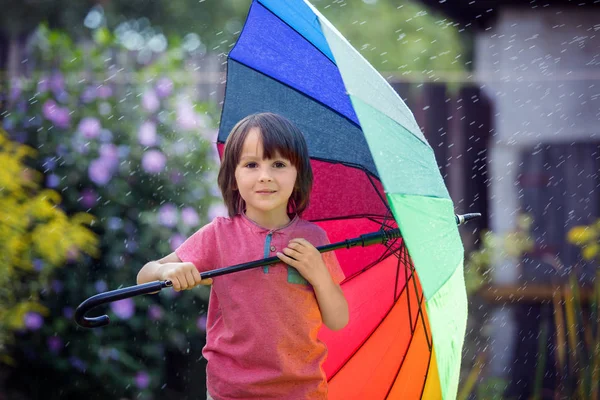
{"x": 580, "y": 235}
{"x": 32, "y": 227}
{"x": 591, "y": 251}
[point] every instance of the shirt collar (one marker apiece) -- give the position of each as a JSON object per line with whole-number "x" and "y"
{"x": 259, "y": 228}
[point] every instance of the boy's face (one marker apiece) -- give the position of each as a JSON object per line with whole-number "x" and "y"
{"x": 265, "y": 184}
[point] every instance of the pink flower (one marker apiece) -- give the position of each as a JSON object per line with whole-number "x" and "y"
{"x": 104, "y": 92}
{"x": 48, "y": 109}
{"x": 187, "y": 118}
{"x": 150, "y": 101}
{"x": 167, "y": 215}
{"x": 217, "y": 210}
{"x": 89, "y": 127}
{"x": 142, "y": 380}
{"x": 59, "y": 116}
{"x": 153, "y": 161}
{"x": 33, "y": 321}
{"x": 124, "y": 309}
{"x": 176, "y": 177}
{"x": 55, "y": 344}
{"x": 110, "y": 154}
{"x": 43, "y": 85}
{"x": 88, "y": 95}
{"x": 164, "y": 87}
{"x": 57, "y": 82}
{"x": 62, "y": 117}
{"x": 190, "y": 216}
{"x": 15, "y": 89}
{"x": 147, "y": 134}
{"x": 99, "y": 171}
{"x": 201, "y": 323}
{"x": 155, "y": 312}
{"x": 88, "y": 198}
{"x": 176, "y": 241}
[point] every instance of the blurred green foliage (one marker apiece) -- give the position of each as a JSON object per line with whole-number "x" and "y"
{"x": 494, "y": 247}
{"x": 399, "y": 37}
{"x": 569, "y": 336}
{"x": 130, "y": 145}
{"x": 395, "y": 37}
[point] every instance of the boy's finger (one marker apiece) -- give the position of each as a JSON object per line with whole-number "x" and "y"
{"x": 286, "y": 259}
{"x": 176, "y": 284}
{"x": 291, "y": 253}
{"x": 196, "y": 275}
{"x": 302, "y": 243}
{"x": 182, "y": 282}
{"x": 190, "y": 279}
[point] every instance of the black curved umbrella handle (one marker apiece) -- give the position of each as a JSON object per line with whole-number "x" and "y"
{"x": 113, "y": 295}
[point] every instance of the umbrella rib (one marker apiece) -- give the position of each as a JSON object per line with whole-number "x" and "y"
{"x": 427, "y": 372}
{"x": 370, "y": 217}
{"x": 429, "y": 341}
{"x": 402, "y": 363}
{"x": 406, "y": 257}
{"x": 382, "y": 319}
{"x": 386, "y": 253}
{"x": 379, "y": 194}
{"x": 363, "y": 342}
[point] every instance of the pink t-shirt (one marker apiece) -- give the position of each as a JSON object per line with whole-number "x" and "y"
{"x": 262, "y": 323}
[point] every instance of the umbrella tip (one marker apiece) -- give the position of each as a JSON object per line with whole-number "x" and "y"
{"x": 464, "y": 218}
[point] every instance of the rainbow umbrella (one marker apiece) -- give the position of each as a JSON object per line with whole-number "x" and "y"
{"x": 373, "y": 169}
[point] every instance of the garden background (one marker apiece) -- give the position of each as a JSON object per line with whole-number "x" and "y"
{"x": 108, "y": 118}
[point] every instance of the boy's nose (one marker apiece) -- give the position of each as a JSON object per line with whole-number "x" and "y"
{"x": 264, "y": 176}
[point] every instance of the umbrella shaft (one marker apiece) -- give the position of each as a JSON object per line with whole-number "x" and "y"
{"x": 364, "y": 240}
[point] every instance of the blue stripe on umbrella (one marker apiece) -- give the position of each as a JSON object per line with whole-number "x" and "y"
{"x": 270, "y": 46}
{"x": 329, "y": 135}
{"x": 300, "y": 17}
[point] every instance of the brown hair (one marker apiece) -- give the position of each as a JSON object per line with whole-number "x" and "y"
{"x": 278, "y": 135}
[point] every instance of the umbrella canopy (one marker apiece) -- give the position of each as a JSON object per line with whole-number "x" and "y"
{"x": 373, "y": 168}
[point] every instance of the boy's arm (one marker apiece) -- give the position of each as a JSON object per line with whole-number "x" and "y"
{"x": 183, "y": 275}
{"x": 149, "y": 272}
{"x": 303, "y": 256}
{"x": 333, "y": 304}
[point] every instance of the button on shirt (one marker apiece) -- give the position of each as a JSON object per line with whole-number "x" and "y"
{"x": 262, "y": 323}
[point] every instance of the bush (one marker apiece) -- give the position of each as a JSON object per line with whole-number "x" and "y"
{"x": 127, "y": 143}
{"x": 36, "y": 237}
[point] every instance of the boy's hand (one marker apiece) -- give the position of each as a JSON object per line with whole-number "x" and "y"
{"x": 183, "y": 275}
{"x": 305, "y": 257}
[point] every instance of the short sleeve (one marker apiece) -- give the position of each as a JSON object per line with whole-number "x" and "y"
{"x": 332, "y": 263}
{"x": 200, "y": 248}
